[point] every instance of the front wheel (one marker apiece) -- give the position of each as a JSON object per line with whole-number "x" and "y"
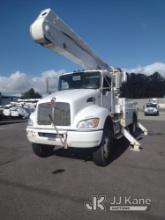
{"x": 42, "y": 150}
{"x": 102, "y": 155}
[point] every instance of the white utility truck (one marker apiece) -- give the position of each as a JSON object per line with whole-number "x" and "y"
{"x": 86, "y": 111}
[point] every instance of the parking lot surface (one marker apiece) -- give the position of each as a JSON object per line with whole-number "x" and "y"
{"x": 161, "y": 116}
{"x": 57, "y": 187}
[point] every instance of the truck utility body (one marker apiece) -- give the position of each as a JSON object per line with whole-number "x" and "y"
{"x": 86, "y": 111}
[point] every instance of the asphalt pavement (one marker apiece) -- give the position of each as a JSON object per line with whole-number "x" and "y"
{"x": 160, "y": 117}
{"x": 60, "y": 186}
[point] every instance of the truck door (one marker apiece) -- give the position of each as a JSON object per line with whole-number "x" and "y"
{"x": 106, "y": 93}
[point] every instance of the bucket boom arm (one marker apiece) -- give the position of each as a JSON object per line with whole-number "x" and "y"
{"x": 51, "y": 32}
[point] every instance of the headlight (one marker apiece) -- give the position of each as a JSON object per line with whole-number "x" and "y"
{"x": 30, "y": 122}
{"x": 89, "y": 123}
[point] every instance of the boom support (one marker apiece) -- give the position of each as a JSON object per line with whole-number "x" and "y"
{"x": 51, "y": 32}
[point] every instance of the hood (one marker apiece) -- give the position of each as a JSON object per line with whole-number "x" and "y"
{"x": 70, "y": 95}
{"x": 77, "y": 99}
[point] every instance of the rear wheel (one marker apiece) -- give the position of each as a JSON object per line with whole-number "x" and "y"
{"x": 42, "y": 150}
{"x": 102, "y": 155}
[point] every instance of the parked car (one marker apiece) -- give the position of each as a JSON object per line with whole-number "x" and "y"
{"x": 151, "y": 109}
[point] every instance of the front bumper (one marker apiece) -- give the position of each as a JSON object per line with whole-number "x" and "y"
{"x": 151, "y": 113}
{"x": 76, "y": 139}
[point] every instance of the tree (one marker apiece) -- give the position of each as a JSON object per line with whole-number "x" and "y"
{"x": 31, "y": 94}
{"x": 143, "y": 86}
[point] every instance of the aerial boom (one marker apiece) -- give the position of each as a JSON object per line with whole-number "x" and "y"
{"x": 51, "y": 32}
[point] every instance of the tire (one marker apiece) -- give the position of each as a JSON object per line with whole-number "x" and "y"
{"x": 101, "y": 156}
{"x": 42, "y": 150}
{"x": 133, "y": 126}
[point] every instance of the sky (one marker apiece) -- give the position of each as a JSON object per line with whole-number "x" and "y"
{"x": 124, "y": 33}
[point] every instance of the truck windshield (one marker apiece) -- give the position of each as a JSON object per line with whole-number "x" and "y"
{"x": 80, "y": 80}
{"x": 151, "y": 105}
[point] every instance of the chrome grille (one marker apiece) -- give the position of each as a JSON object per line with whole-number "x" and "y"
{"x": 61, "y": 114}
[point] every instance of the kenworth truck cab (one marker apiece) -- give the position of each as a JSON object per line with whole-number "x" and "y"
{"x": 86, "y": 111}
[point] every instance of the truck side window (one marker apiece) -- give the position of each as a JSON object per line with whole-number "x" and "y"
{"x": 107, "y": 84}
{"x": 64, "y": 84}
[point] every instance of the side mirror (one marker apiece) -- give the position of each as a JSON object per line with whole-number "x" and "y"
{"x": 104, "y": 91}
{"x": 124, "y": 77}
